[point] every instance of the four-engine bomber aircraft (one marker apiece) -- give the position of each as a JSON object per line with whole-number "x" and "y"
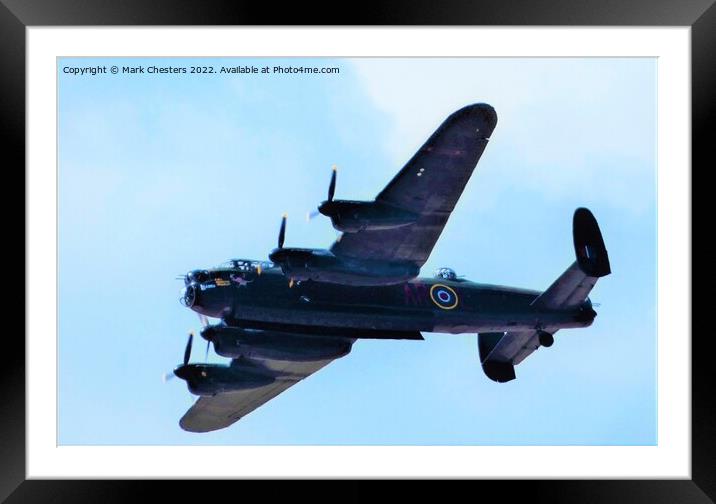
{"x": 285, "y": 319}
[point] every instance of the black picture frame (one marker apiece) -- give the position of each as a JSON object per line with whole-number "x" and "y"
{"x": 16, "y": 15}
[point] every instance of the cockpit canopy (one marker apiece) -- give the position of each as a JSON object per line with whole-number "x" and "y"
{"x": 445, "y": 274}
{"x": 246, "y": 265}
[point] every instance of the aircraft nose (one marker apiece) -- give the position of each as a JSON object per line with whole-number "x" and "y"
{"x": 189, "y": 295}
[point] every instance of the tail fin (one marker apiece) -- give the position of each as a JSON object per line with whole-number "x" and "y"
{"x": 592, "y": 256}
{"x": 574, "y": 285}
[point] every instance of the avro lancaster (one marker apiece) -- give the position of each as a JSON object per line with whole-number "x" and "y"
{"x": 283, "y": 319}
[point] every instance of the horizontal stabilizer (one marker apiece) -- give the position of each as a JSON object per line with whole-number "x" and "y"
{"x": 569, "y": 290}
{"x": 574, "y": 285}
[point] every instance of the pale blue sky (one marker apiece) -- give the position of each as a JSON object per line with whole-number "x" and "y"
{"x": 165, "y": 173}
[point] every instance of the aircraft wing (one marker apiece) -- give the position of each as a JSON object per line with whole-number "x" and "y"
{"x": 221, "y": 410}
{"x": 429, "y": 185}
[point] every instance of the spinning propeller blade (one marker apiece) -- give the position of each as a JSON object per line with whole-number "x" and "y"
{"x": 187, "y": 354}
{"x": 187, "y": 351}
{"x": 331, "y": 193}
{"x": 282, "y": 231}
{"x": 332, "y": 185}
{"x": 203, "y": 319}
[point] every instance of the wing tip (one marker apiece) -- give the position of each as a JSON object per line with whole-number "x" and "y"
{"x": 197, "y": 425}
{"x": 482, "y": 112}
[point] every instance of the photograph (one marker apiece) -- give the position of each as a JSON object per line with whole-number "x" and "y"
{"x": 378, "y": 251}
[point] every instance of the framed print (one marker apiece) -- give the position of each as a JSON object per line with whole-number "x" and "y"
{"x": 154, "y": 152}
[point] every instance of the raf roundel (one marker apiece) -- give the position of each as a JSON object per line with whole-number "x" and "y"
{"x": 443, "y": 296}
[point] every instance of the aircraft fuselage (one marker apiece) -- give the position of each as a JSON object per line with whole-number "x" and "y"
{"x": 266, "y": 300}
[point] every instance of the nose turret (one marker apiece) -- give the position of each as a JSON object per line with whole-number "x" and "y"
{"x": 189, "y": 295}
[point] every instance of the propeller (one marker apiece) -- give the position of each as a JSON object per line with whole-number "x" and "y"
{"x": 187, "y": 350}
{"x": 282, "y": 231}
{"x": 204, "y": 324}
{"x": 187, "y": 354}
{"x": 331, "y": 193}
{"x": 281, "y": 238}
{"x": 332, "y": 185}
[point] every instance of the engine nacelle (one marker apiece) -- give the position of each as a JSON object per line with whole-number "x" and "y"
{"x": 322, "y": 266}
{"x": 545, "y": 339}
{"x": 353, "y": 216}
{"x": 211, "y": 379}
{"x": 235, "y": 342}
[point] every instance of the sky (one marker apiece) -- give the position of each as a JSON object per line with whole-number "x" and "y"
{"x": 163, "y": 173}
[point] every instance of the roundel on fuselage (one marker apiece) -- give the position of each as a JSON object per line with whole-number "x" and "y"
{"x": 443, "y": 296}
